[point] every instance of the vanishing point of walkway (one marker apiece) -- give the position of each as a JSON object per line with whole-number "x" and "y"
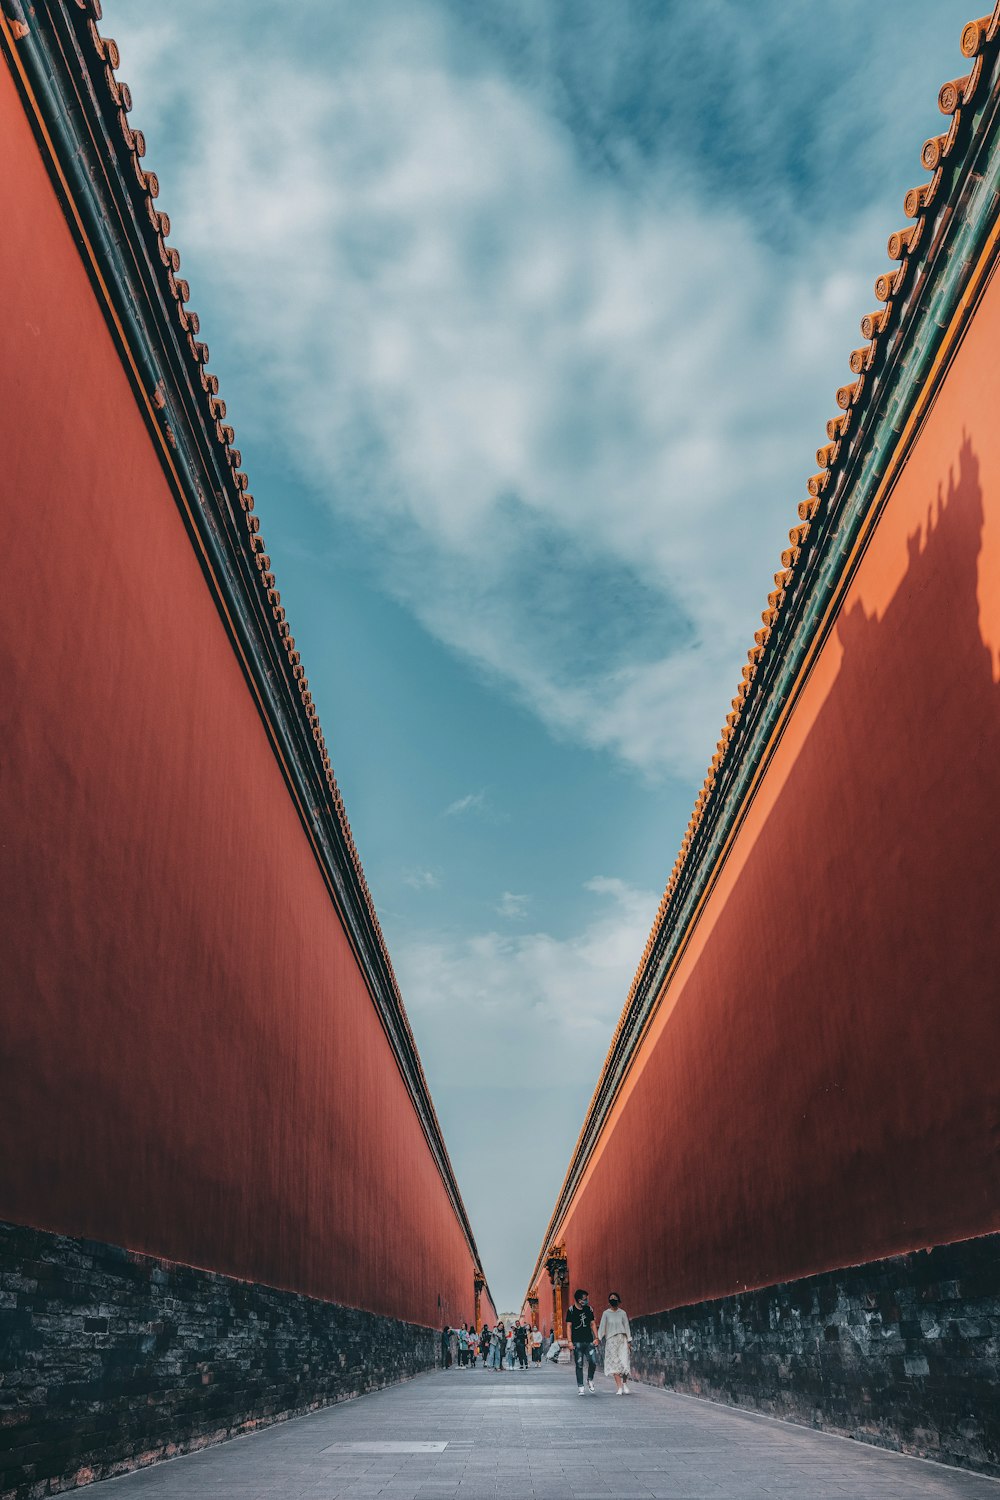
{"x": 482, "y": 1434}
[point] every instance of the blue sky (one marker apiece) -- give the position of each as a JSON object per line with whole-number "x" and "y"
{"x": 529, "y": 315}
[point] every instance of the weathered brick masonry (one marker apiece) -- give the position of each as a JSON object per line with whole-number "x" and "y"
{"x": 903, "y": 1353}
{"x": 110, "y": 1360}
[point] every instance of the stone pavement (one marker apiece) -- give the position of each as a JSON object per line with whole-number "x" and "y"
{"x": 477, "y": 1433}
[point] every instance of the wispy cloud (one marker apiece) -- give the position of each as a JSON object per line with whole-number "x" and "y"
{"x": 474, "y": 802}
{"x": 517, "y": 1024}
{"x": 608, "y": 885}
{"x": 421, "y": 880}
{"x": 512, "y": 906}
{"x": 526, "y": 990}
{"x": 478, "y": 805}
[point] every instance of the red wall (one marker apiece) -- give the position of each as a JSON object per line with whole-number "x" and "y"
{"x": 821, "y": 1085}
{"x": 192, "y": 1064}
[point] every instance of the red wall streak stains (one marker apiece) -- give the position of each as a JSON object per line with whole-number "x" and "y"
{"x": 192, "y": 1064}
{"x": 820, "y": 1087}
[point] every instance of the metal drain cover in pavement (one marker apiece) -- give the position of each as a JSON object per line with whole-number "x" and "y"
{"x": 385, "y": 1448}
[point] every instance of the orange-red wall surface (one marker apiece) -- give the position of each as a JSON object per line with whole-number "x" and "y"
{"x": 820, "y": 1086}
{"x": 192, "y": 1065}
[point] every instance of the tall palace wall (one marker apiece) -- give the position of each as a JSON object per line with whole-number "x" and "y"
{"x": 794, "y": 1177}
{"x": 211, "y": 1159}
{"x": 818, "y": 1085}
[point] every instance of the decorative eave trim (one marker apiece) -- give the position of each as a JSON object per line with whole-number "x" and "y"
{"x": 945, "y": 258}
{"x": 66, "y": 74}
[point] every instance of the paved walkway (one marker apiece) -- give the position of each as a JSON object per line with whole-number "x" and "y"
{"x": 477, "y": 1433}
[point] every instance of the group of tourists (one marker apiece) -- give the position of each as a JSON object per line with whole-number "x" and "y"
{"x": 509, "y": 1348}
{"x": 499, "y": 1348}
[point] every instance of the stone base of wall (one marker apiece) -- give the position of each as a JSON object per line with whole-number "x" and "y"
{"x": 902, "y": 1353}
{"x": 110, "y": 1360}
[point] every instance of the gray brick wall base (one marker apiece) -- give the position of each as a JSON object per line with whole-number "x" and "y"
{"x": 110, "y": 1360}
{"x": 903, "y": 1353}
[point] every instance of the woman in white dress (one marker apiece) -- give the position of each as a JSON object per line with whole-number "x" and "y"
{"x": 617, "y": 1337}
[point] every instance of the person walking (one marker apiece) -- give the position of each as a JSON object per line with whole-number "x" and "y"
{"x": 536, "y": 1346}
{"x": 521, "y": 1345}
{"x": 580, "y": 1332}
{"x": 498, "y": 1344}
{"x": 617, "y": 1336}
{"x": 446, "y": 1347}
{"x": 484, "y": 1343}
{"x": 510, "y": 1349}
{"x": 463, "y": 1347}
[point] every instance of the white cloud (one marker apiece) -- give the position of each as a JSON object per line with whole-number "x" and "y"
{"x": 512, "y": 1029}
{"x": 525, "y": 992}
{"x": 609, "y": 885}
{"x": 559, "y": 409}
{"x": 478, "y": 805}
{"x": 471, "y": 802}
{"x": 512, "y": 906}
{"x": 421, "y": 880}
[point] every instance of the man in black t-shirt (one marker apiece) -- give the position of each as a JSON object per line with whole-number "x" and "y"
{"x": 580, "y": 1332}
